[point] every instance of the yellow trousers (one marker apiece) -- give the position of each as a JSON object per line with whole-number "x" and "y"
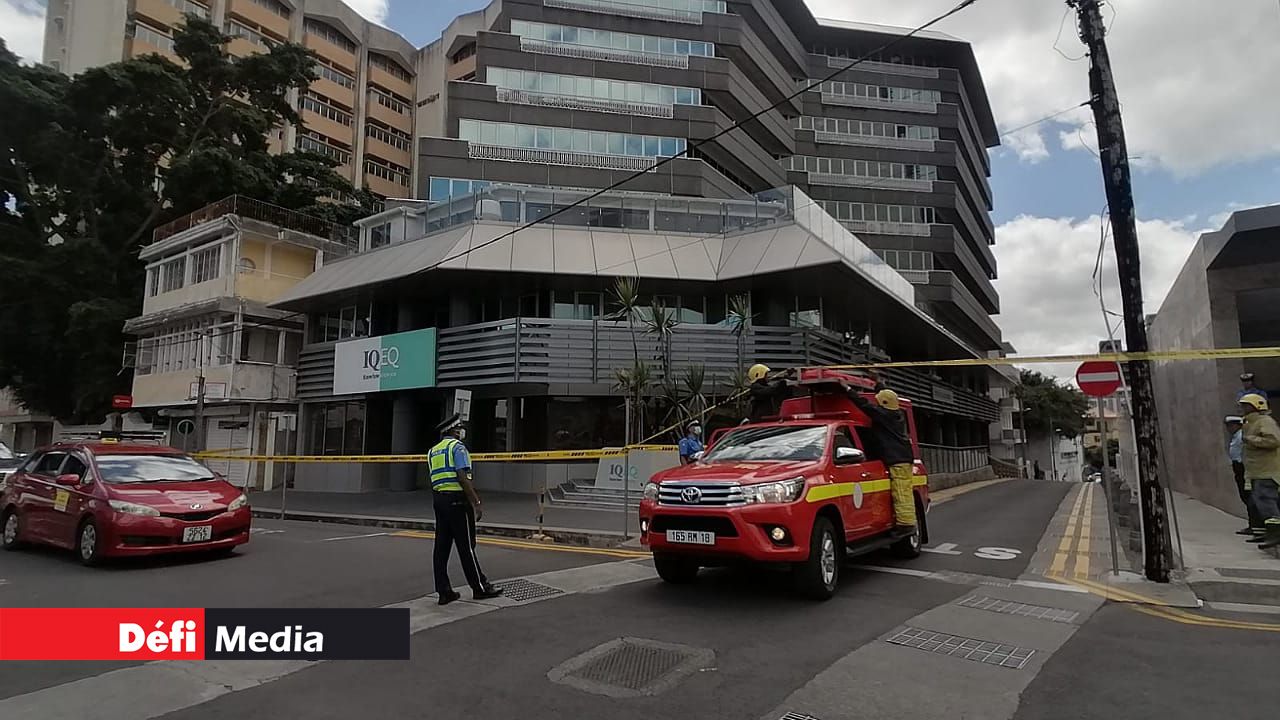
{"x": 904, "y": 503}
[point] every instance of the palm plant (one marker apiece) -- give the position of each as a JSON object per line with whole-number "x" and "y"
{"x": 662, "y": 322}
{"x": 739, "y": 320}
{"x": 625, "y": 296}
{"x": 634, "y": 383}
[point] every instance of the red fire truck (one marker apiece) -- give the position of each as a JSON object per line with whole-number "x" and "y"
{"x": 806, "y": 489}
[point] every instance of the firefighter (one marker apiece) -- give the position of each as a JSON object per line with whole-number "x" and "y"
{"x": 889, "y": 428}
{"x": 1235, "y": 453}
{"x": 765, "y": 391}
{"x": 1262, "y": 466}
{"x": 457, "y": 508}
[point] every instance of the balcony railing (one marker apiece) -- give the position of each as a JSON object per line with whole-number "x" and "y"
{"x": 893, "y": 68}
{"x": 626, "y": 9}
{"x": 870, "y": 182}
{"x": 586, "y": 52}
{"x": 251, "y": 209}
{"x": 573, "y": 102}
{"x": 875, "y": 141}
{"x": 877, "y": 227}
{"x": 915, "y": 277}
{"x": 879, "y": 103}
{"x": 939, "y": 459}
{"x": 480, "y": 151}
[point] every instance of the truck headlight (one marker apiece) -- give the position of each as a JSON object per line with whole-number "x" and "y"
{"x": 651, "y": 491}
{"x": 238, "y": 503}
{"x": 133, "y": 508}
{"x": 774, "y": 492}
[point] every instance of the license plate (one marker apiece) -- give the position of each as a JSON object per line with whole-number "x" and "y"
{"x": 692, "y": 537}
{"x": 200, "y": 533}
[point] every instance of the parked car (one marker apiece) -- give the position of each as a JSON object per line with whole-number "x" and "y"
{"x": 105, "y": 499}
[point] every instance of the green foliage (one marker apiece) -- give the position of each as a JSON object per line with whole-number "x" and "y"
{"x": 92, "y": 164}
{"x": 1045, "y": 400}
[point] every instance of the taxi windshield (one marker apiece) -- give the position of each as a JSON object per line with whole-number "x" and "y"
{"x": 770, "y": 443}
{"x": 120, "y": 469}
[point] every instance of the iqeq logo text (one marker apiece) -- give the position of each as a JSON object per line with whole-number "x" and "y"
{"x": 381, "y": 358}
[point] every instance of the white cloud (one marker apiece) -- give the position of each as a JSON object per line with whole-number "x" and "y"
{"x": 375, "y": 10}
{"x": 23, "y": 27}
{"x": 1046, "y": 280}
{"x": 1190, "y": 73}
{"x": 1028, "y": 144}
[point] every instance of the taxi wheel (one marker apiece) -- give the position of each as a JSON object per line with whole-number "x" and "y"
{"x": 675, "y": 569}
{"x": 87, "y": 543}
{"x": 818, "y": 577}
{"x": 10, "y": 529}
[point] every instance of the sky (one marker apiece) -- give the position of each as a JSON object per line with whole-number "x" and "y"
{"x": 1197, "y": 83}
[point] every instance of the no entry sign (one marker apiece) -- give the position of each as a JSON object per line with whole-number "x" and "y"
{"x": 1099, "y": 378}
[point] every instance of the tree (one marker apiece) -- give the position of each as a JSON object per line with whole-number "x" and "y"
{"x": 1045, "y": 401}
{"x": 91, "y": 164}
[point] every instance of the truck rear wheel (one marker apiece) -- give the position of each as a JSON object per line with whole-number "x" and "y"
{"x": 818, "y": 577}
{"x": 675, "y": 569}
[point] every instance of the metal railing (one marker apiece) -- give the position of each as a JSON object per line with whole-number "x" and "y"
{"x": 870, "y": 182}
{"x": 884, "y": 227}
{"x": 251, "y": 209}
{"x": 480, "y": 151}
{"x": 875, "y": 141}
{"x": 575, "y": 102}
{"x": 942, "y": 459}
{"x": 915, "y": 277}
{"x": 878, "y": 103}
{"x": 893, "y": 68}
{"x": 587, "y": 52}
{"x": 626, "y": 9}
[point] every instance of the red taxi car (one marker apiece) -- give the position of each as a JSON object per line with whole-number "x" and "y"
{"x": 116, "y": 499}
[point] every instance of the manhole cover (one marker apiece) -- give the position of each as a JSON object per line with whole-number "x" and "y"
{"x": 1008, "y": 607}
{"x": 983, "y": 651}
{"x": 521, "y": 590}
{"x": 629, "y": 667}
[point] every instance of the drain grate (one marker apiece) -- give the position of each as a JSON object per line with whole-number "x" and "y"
{"x": 983, "y": 651}
{"x": 1007, "y": 607}
{"x": 629, "y": 667}
{"x": 521, "y": 590}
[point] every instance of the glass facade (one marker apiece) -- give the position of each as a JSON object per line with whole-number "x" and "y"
{"x": 442, "y": 188}
{"x": 567, "y": 139}
{"x": 715, "y": 6}
{"x": 597, "y": 88}
{"x": 881, "y": 92}
{"x": 611, "y": 40}
{"x": 879, "y": 212}
{"x": 861, "y": 168}
{"x": 841, "y": 126}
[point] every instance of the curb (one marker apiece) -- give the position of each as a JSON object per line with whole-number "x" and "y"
{"x": 568, "y": 536}
{"x": 1213, "y": 586}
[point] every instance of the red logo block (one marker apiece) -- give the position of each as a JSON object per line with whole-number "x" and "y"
{"x": 101, "y": 634}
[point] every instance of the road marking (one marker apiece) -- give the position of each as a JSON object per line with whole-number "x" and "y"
{"x": 1086, "y": 525}
{"x": 1051, "y": 586}
{"x": 997, "y": 553}
{"x": 354, "y": 537}
{"x": 943, "y": 549}
{"x": 530, "y": 545}
{"x": 967, "y": 579}
{"x": 1158, "y": 608}
{"x": 264, "y": 531}
{"x": 896, "y": 570}
{"x": 1059, "y": 565}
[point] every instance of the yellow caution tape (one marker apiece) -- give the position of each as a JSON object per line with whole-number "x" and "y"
{"x": 535, "y": 456}
{"x": 1206, "y": 354}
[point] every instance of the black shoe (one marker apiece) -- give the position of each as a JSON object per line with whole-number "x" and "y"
{"x": 1245, "y": 531}
{"x": 446, "y": 598}
{"x": 1273, "y": 542}
{"x": 1257, "y": 539}
{"x": 487, "y": 593}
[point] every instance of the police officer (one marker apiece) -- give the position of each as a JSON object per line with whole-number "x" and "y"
{"x": 457, "y": 508}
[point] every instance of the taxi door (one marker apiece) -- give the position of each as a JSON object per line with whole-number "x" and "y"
{"x": 37, "y": 496}
{"x": 70, "y": 501}
{"x": 856, "y": 503}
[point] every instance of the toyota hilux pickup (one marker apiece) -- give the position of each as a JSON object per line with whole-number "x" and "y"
{"x": 803, "y": 489}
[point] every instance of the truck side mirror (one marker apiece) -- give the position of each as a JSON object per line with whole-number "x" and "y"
{"x": 849, "y": 456}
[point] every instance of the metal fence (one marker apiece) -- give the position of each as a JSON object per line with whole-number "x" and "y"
{"x": 940, "y": 459}
{"x": 249, "y": 208}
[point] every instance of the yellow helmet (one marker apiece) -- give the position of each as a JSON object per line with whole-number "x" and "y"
{"x": 757, "y": 372}
{"x": 888, "y": 399}
{"x": 1256, "y": 401}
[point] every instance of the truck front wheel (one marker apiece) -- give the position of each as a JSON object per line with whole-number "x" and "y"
{"x": 818, "y": 577}
{"x": 675, "y": 569}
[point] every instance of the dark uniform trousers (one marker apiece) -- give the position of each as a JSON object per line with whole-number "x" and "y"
{"x": 1255, "y": 522}
{"x": 456, "y": 525}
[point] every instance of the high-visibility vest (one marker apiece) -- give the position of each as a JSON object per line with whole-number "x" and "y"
{"x": 444, "y": 474}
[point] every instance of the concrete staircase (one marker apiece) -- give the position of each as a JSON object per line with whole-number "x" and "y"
{"x": 590, "y": 497}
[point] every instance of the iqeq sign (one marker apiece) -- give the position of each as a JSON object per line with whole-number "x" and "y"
{"x": 390, "y": 362}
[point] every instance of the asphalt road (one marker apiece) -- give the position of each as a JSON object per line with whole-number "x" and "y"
{"x": 767, "y": 651}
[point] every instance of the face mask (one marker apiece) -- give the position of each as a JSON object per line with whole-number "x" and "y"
{"x": 462, "y": 433}
{"x": 697, "y": 432}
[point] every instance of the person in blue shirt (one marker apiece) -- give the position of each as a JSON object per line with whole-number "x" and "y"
{"x": 1235, "y": 452}
{"x": 1247, "y": 387}
{"x": 691, "y": 443}
{"x": 457, "y": 507}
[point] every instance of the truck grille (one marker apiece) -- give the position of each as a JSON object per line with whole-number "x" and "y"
{"x": 703, "y": 494}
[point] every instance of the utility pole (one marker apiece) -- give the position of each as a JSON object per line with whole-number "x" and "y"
{"x": 198, "y": 420}
{"x": 1116, "y": 177}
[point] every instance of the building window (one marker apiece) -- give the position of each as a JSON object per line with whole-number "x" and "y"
{"x": 336, "y": 428}
{"x": 188, "y": 6}
{"x": 352, "y": 321}
{"x": 860, "y": 168}
{"x": 841, "y": 126}
{"x": 567, "y": 139}
{"x": 247, "y": 266}
{"x": 379, "y": 235}
{"x": 206, "y": 264}
{"x": 329, "y": 33}
{"x": 611, "y": 40}
{"x": 907, "y": 259}
{"x": 711, "y": 6}
{"x": 439, "y": 188}
{"x": 274, "y": 6}
{"x": 153, "y": 281}
{"x": 389, "y": 135}
{"x": 388, "y": 99}
{"x": 387, "y": 170}
{"x": 390, "y": 67}
{"x": 326, "y": 108}
{"x": 311, "y": 141}
{"x": 152, "y": 36}
{"x": 881, "y": 92}
{"x": 238, "y": 29}
{"x": 333, "y": 74}
{"x": 174, "y": 274}
{"x": 594, "y": 88}
{"x": 879, "y": 212}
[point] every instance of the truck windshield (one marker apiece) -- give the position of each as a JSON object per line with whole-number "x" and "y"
{"x": 772, "y": 442}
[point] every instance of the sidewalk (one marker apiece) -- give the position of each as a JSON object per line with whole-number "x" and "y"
{"x": 1221, "y": 566}
{"x": 509, "y": 514}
